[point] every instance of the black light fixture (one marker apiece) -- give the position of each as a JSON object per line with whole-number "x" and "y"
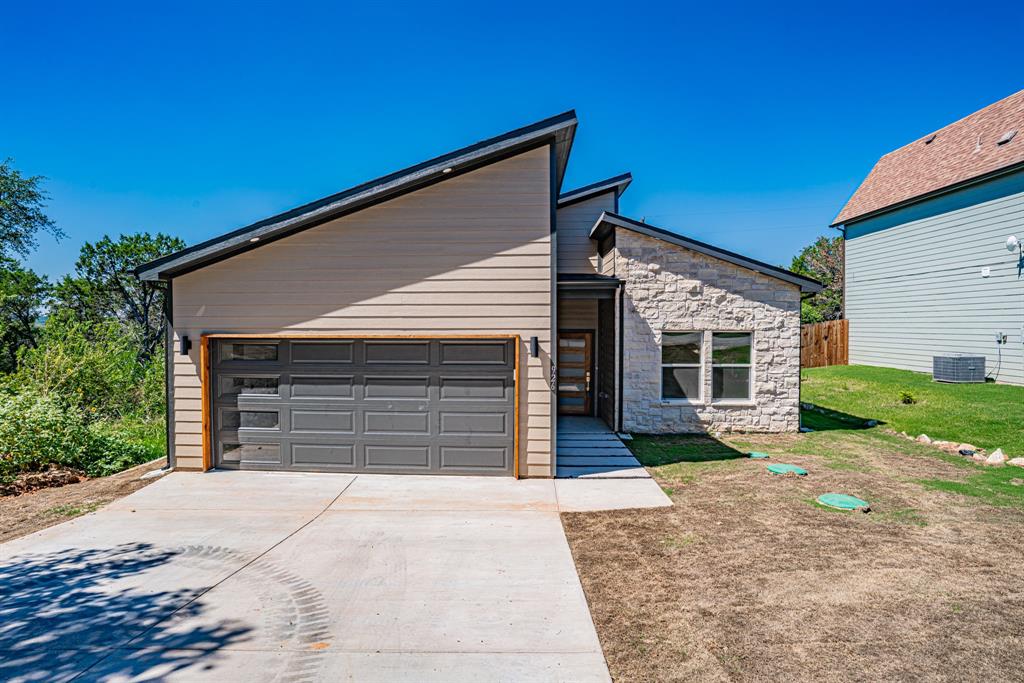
{"x": 186, "y": 346}
{"x": 534, "y": 347}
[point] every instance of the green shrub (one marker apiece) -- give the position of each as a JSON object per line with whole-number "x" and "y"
{"x": 91, "y": 366}
{"x": 907, "y": 398}
{"x": 38, "y": 430}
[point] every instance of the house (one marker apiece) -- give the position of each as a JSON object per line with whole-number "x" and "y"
{"x": 421, "y": 322}
{"x": 928, "y": 271}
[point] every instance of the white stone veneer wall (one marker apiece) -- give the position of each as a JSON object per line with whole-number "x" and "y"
{"x": 669, "y": 288}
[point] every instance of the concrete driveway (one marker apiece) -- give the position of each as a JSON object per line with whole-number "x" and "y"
{"x": 304, "y": 577}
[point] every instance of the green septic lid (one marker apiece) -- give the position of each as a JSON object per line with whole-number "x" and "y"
{"x": 757, "y": 455}
{"x": 843, "y": 501}
{"x": 779, "y": 468}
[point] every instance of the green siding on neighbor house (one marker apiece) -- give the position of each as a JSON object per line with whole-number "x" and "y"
{"x": 915, "y": 286}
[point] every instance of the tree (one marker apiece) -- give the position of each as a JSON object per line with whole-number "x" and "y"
{"x": 823, "y": 261}
{"x": 103, "y": 286}
{"x": 23, "y": 294}
{"x": 21, "y": 211}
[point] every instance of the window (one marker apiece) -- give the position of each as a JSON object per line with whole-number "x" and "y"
{"x": 247, "y": 351}
{"x": 681, "y": 363}
{"x": 730, "y": 365}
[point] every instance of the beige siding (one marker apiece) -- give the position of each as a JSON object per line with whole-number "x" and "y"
{"x": 577, "y": 253}
{"x": 471, "y": 255}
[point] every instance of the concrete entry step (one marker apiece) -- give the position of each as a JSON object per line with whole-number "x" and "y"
{"x": 603, "y": 473}
{"x": 593, "y": 452}
{"x": 598, "y": 461}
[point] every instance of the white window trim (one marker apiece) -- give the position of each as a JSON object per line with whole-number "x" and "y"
{"x": 699, "y": 401}
{"x": 749, "y": 400}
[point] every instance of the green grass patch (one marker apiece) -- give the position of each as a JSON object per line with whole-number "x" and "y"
{"x": 73, "y": 510}
{"x": 986, "y": 415}
{"x": 1000, "y": 486}
{"x": 659, "y": 450}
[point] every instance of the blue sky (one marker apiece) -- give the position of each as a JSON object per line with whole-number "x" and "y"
{"x": 746, "y": 126}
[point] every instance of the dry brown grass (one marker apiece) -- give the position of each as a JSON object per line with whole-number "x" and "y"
{"x": 28, "y": 512}
{"x": 745, "y": 578}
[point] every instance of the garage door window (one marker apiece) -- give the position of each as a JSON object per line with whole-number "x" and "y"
{"x": 250, "y": 419}
{"x": 249, "y": 386}
{"x": 249, "y": 352}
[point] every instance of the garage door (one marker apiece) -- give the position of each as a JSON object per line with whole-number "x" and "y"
{"x": 442, "y": 406}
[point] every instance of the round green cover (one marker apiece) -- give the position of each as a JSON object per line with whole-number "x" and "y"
{"x": 842, "y": 501}
{"x": 757, "y": 455}
{"x": 779, "y": 468}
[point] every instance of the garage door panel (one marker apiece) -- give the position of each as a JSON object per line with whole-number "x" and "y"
{"x": 325, "y": 421}
{"x": 396, "y": 387}
{"x": 305, "y": 352}
{"x": 456, "y": 388}
{"x": 475, "y": 457}
{"x": 394, "y": 422}
{"x": 397, "y": 352}
{"x": 383, "y": 456}
{"x": 322, "y": 386}
{"x": 307, "y": 455}
{"x": 470, "y": 424}
{"x": 365, "y": 405}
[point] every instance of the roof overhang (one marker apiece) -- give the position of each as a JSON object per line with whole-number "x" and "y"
{"x": 617, "y": 184}
{"x": 607, "y": 223}
{"x": 558, "y": 131}
{"x": 587, "y": 286}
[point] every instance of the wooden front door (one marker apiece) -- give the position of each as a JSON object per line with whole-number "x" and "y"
{"x": 575, "y": 369}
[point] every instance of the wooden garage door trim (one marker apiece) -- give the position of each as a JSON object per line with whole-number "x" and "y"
{"x": 207, "y": 396}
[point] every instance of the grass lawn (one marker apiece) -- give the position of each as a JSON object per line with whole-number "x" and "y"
{"x": 987, "y": 415}
{"x": 746, "y": 577}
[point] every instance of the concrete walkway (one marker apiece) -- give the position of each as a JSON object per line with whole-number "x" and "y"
{"x": 246, "y": 576}
{"x": 588, "y": 448}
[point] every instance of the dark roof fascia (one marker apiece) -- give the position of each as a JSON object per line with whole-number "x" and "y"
{"x": 559, "y": 130}
{"x": 584, "y": 281}
{"x": 985, "y": 177}
{"x": 609, "y": 221}
{"x": 618, "y": 183}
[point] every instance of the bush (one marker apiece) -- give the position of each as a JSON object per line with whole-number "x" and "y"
{"x": 907, "y": 398}
{"x": 38, "y": 430}
{"x": 91, "y": 366}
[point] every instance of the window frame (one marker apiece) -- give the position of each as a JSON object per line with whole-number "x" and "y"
{"x": 699, "y": 365}
{"x": 749, "y": 365}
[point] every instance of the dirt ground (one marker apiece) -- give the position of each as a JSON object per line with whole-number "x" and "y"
{"x": 747, "y": 579}
{"x": 28, "y": 512}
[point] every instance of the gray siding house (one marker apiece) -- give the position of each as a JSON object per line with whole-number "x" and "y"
{"x": 927, "y": 267}
{"x": 439, "y": 320}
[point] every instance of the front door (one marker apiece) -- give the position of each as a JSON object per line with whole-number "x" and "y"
{"x": 575, "y": 355}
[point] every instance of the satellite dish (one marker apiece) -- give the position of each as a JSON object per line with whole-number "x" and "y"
{"x": 1012, "y": 243}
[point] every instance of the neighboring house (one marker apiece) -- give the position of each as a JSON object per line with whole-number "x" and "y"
{"x": 927, "y": 269}
{"x": 417, "y": 324}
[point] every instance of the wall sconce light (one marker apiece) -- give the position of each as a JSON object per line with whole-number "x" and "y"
{"x": 534, "y": 347}
{"x": 186, "y": 346}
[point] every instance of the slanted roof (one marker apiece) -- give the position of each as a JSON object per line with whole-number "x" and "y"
{"x": 609, "y": 221}
{"x": 962, "y": 152}
{"x": 618, "y": 184}
{"x": 558, "y": 129}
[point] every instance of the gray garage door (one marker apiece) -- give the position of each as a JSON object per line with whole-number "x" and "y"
{"x": 371, "y": 405}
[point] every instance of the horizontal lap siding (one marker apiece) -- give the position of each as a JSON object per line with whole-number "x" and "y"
{"x": 916, "y": 290}
{"x": 470, "y": 255}
{"x": 577, "y": 253}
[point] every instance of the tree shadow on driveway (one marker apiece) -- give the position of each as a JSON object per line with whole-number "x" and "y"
{"x": 64, "y": 612}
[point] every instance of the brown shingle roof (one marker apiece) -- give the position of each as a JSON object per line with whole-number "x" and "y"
{"x": 959, "y": 152}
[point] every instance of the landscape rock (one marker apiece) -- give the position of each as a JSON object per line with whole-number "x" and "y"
{"x": 923, "y": 438}
{"x": 979, "y": 457}
{"x": 967, "y": 447}
{"x": 1018, "y": 462}
{"x": 996, "y": 458}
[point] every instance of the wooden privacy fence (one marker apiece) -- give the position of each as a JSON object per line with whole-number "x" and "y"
{"x": 824, "y": 344}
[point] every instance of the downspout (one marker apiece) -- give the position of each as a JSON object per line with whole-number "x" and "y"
{"x": 169, "y": 371}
